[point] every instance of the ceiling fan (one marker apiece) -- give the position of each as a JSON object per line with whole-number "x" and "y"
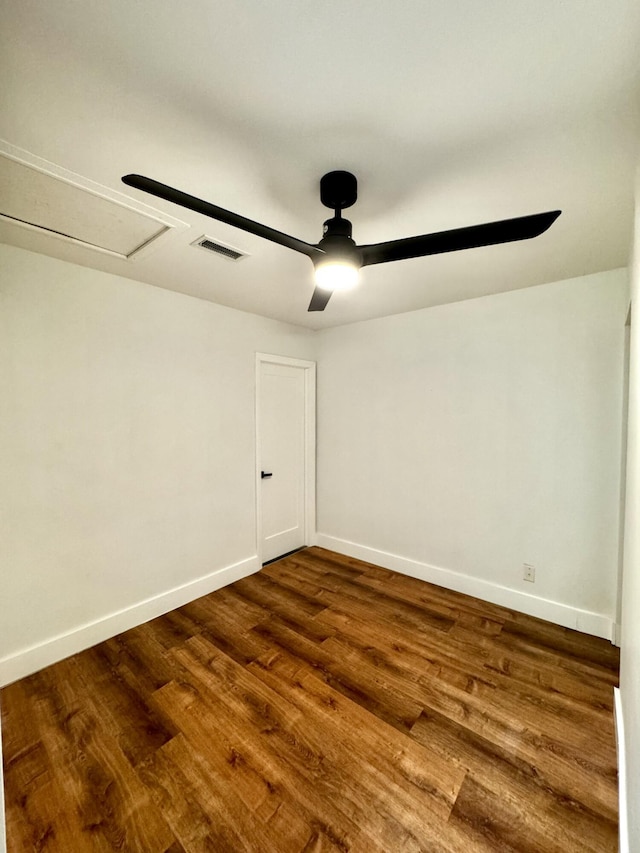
{"x": 336, "y": 258}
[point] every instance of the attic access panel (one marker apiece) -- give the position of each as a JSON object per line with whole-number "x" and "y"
{"x": 61, "y": 204}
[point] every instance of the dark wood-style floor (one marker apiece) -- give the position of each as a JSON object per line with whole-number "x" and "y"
{"x": 322, "y": 704}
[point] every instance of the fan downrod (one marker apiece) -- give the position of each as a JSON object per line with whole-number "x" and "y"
{"x": 338, "y": 190}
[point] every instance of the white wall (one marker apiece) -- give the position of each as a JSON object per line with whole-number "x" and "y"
{"x": 630, "y": 651}
{"x": 459, "y": 442}
{"x": 127, "y": 452}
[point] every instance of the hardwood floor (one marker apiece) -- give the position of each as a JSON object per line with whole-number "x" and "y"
{"x": 321, "y": 704}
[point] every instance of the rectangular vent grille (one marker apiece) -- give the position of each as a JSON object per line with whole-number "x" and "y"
{"x": 219, "y": 248}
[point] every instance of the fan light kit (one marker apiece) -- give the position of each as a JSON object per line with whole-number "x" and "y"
{"x": 336, "y": 275}
{"x": 336, "y": 258}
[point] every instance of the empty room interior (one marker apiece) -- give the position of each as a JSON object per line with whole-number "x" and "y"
{"x": 320, "y": 383}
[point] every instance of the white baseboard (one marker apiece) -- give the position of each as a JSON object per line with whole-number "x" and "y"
{"x": 597, "y": 624}
{"x": 623, "y": 826}
{"x": 33, "y": 658}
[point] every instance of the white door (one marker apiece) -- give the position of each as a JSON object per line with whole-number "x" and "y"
{"x": 284, "y": 455}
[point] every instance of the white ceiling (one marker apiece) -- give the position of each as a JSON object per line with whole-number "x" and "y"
{"x": 450, "y": 113}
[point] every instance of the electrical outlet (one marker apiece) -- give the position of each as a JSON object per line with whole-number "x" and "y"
{"x": 529, "y": 573}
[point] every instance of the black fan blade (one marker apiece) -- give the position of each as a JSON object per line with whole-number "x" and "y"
{"x": 319, "y": 299}
{"x": 472, "y": 237}
{"x": 148, "y": 185}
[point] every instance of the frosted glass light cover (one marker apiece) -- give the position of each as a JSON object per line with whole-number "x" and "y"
{"x": 336, "y": 275}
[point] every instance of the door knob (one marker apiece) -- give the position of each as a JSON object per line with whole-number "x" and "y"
{"x": 266, "y": 474}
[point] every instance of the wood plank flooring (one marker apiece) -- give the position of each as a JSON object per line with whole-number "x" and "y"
{"x": 323, "y": 704}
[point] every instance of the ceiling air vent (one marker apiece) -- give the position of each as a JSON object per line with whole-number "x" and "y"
{"x": 210, "y": 245}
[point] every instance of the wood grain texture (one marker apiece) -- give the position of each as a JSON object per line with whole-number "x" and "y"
{"x": 323, "y": 704}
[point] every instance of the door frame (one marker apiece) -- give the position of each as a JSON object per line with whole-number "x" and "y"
{"x": 309, "y": 368}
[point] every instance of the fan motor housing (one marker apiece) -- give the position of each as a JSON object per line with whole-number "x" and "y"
{"x": 337, "y": 227}
{"x": 337, "y": 243}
